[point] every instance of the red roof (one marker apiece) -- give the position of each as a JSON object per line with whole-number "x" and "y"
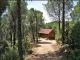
{"x": 45, "y": 31}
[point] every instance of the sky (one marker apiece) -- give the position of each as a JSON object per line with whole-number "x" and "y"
{"x": 38, "y": 5}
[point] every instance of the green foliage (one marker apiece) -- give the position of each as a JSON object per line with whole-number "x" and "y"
{"x": 35, "y": 22}
{"x": 10, "y": 54}
{"x": 27, "y": 44}
{"x": 33, "y": 15}
{"x": 52, "y": 25}
{"x": 72, "y": 33}
{"x": 75, "y": 14}
{"x": 53, "y": 7}
{"x": 7, "y": 24}
{"x": 73, "y": 40}
{"x": 74, "y": 54}
{"x": 75, "y": 35}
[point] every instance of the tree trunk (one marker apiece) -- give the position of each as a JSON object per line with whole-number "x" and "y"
{"x": 14, "y": 33}
{"x": 10, "y": 33}
{"x": 36, "y": 30}
{"x": 0, "y": 36}
{"x": 13, "y": 27}
{"x": 59, "y": 15}
{"x": 33, "y": 37}
{"x": 19, "y": 30}
{"x": 63, "y": 22}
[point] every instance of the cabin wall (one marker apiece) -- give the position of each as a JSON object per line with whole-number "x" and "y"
{"x": 51, "y": 35}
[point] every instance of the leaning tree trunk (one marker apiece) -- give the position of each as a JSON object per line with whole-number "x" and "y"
{"x": 63, "y": 22}
{"x": 19, "y": 30}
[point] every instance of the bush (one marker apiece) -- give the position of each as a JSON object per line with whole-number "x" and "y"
{"x": 74, "y": 42}
{"x": 27, "y": 44}
{"x": 75, "y": 36}
{"x": 74, "y": 54}
{"x": 10, "y": 54}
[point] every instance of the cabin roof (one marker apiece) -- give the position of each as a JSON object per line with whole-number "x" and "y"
{"x": 45, "y": 31}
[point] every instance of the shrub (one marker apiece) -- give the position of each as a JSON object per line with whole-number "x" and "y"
{"x": 75, "y": 36}
{"x": 27, "y": 44}
{"x": 74, "y": 42}
{"x": 10, "y": 54}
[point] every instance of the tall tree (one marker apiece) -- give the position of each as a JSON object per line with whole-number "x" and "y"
{"x": 19, "y": 30}
{"x": 63, "y": 22}
{"x": 13, "y": 21}
{"x": 59, "y": 16}
{"x": 12, "y": 10}
{"x": 31, "y": 19}
{"x": 36, "y": 26}
{"x": 2, "y": 9}
{"x": 35, "y": 18}
{"x": 38, "y": 18}
{"x": 55, "y": 10}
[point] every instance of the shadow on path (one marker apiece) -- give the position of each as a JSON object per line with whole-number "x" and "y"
{"x": 57, "y": 55}
{"x": 44, "y": 43}
{"x": 47, "y": 50}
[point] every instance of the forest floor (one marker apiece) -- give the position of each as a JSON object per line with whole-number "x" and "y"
{"x": 46, "y": 50}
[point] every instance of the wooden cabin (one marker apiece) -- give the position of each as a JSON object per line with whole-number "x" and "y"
{"x": 47, "y": 33}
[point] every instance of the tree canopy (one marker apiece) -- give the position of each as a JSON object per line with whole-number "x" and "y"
{"x": 53, "y": 6}
{"x": 75, "y": 14}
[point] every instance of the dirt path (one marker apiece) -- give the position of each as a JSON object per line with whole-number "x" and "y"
{"x": 45, "y": 50}
{"x": 45, "y": 46}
